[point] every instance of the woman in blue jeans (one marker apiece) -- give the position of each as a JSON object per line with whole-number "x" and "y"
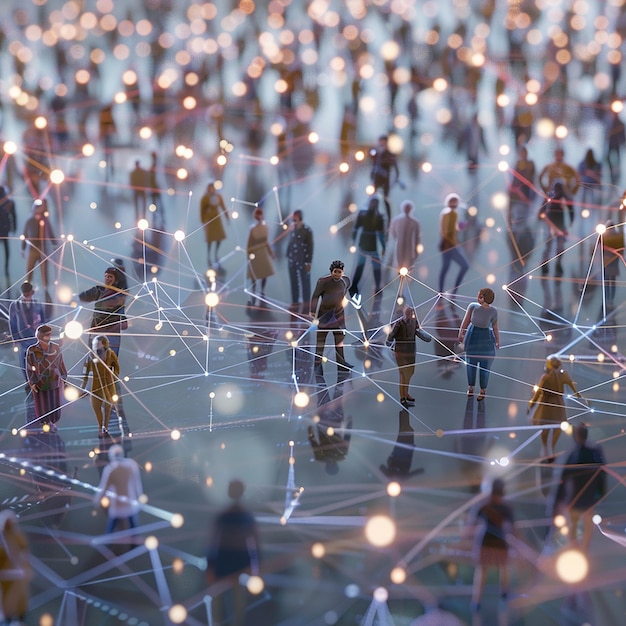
{"x": 479, "y": 331}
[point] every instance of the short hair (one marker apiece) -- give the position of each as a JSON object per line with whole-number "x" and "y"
{"x": 407, "y": 206}
{"x": 553, "y": 362}
{"x": 298, "y": 213}
{"x": 450, "y": 197}
{"x": 44, "y": 329}
{"x": 488, "y": 295}
{"x": 336, "y": 264}
{"x": 103, "y": 340}
{"x": 581, "y": 432}
{"x": 497, "y": 487}
{"x": 236, "y": 489}
{"x": 26, "y": 287}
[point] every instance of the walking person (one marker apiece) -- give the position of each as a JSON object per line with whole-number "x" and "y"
{"x": 521, "y": 191}
{"x": 139, "y": 183}
{"x": 549, "y": 397}
{"x": 480, "y": 333}
{"x": 25, "y": 315}
{"x": 260, "y": 255}
{"x": 406, "y": 231}
{"x": 612, "y": 259}
{"x": 368, "y": 232}
{"x": 299, "y": 258}
{"x": 384, "y": 163}
{"x": 493, "y": 524}
{"x": 402, "y": 336}
{"x": 582, "y": 485}
{"x": 234, "y": 549}
{"x": 105, "y": 369}
{"x": 451, "y": 251}
{"x": 109, "y": 316}
{"x": 327, "y": 309}
{"x": 46, "y": 373}
{"x": 120, "y": 489}
{"x": 7, "y": 226}
{"x": 212, "y": 209}
{"x": 39, "y": 238}
{"x": 553, "y": 214}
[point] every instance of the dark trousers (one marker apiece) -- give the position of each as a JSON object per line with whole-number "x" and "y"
{"x": 300, "y": 280}
{"x": 320, "y": 342}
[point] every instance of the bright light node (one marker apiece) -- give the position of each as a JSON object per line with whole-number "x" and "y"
{"x": 597, "y": 519}
{"x": 352, "y": 249}
{"x": 440, "y": 84}
{"x": 142, "y": 224}
{"x": 145, "y": 132}
{"x": 71, "y": 393}
{"x": 255, "y": 585}
{"x": 313, "y": 137}
{"x": 211, "y": 299}
{"x": 182, "y": 173}
{"x": 177, "y": 613}
{"x": 344, "y": 167}
{"x": 359, "y": 155}
{"x": 370, "y": 190}
{"x": 151, "y": 543}
{"x": 572, "y": 566}
{"x": 403, "y": 271}
{"x": 561, "y": 132}
{"x": 566, "y": 427}
{"x": 398, "y": 575}
{"x": 559, "y": 521}
{"x": 222, "y": 160}
{"x": 381, "y": 595}
{"x": 177, "y": 520}
{"x": 617, "y": 106}
{"x": 318, "y": 550}
{"x": 427, "y": 167}
{"x": 394, "y": 489}
{"x": 274, "y": 160}
{"x": 380, "y": 530}
{"x": 120, "y": 97}
{"x": 41, "y": 122}
{"x": 175, "y": 435}
{"x": 73, "y": 329}
{"x": 179, "y": 235}
{"x": 333, "y": 229}
{"x": 600, "y": 229}
{"x": 301, "y": 399}
{"x": 57, "y": 177}
{"x": 504, "y": 461}
{"x": 10, "y": 147}
{"x": 503, "y": 166}
{"x": 585, "y": 214}
{"x": 380, "y": 397}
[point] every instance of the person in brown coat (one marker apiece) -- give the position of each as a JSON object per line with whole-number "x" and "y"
{"x": 15, "y": 569}
{"x": 548, "y": 396}
{"x": 260, "y": 255}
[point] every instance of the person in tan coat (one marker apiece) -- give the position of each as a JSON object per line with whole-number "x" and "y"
{"x": 260, "y": 255}
{"x": 15, "y": 569}
{"x": 548, "y": 396}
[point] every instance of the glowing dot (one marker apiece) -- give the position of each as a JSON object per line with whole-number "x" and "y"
{"x": 318, "y": 550}
{"x": 73, "y": 329}
{"x": 600, "y": 229}
{"x": 597, "y": 519}
{"x": 145, "y": 132}
{"x": 182, "y": 173}
{"x": 211, "y": 299}
{"x": 381, "y": 595}
{"x": 504, "y": 461}
{"x": 40, "y": 122}
{"x": 439, "y": 433}
{"x": 179, "y": 235}
{"x": 380, "y": 530}
{"x": 255, "y": 585}
{"x": 394, "y": 489}
{"x": 313, "y": 137}
{"x": 143, "y": 224}
{"x": 177, "y": 520}
{"x": 344, "y": 167}
{"x": 503, "y": 166}
{"x": 10, "y": 147}
{"x": 572, "y": 566}
{"x": 566, "y": 427}
{"x": 177, "y": 613}
{"x": 301, "y": 399}
{"x": 352, "y": 249}
{"x": 427, "y": 167}
{"x": 398, "y": 575}
{"x": 403, "y": 271}
{"x": 151, "y": 543}
{"x": 561, "y": 132}
{"x": 175, "y": 434}
{"x": 88, "y": 150}
{"x": 71, "y": 393}
{"x": 57, "y": 177}
{"x": 221, "y": 160}
{"x": 380, "y": 397}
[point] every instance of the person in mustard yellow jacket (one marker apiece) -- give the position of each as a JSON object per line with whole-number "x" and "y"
{"x": 105, "y": 369}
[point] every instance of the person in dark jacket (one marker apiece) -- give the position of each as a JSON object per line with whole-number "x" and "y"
{"x": 384, "y": 162}
{"x": 369, "y": 231}
{"x": 233, "y": 550}
{"x": 553, "y": 213}
{"x": 299, "y": 257}
{"x": 7, "y": 225}
{"x": 582, "y": 485}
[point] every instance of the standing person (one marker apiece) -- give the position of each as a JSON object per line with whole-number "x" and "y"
{"x": 107, "y": 131}
{"x": 521, "y": 190}
{"x": 260, "y": 255}
{"x": 8, "y": 224}
{"x": 108, "y": 315}
{"x": 402, "y": 336}
{"x": 590, "y": 174}
{"x": 384, "y": 162}
{"x": 327, "y": 309}
{"x": 139, "y": 183}
{"x": 40, "y": 238}
{"x": 368, "y": 232}
{"x": 553, "y": 214}
{"x": 25, "y": 315}
{"x": 212, "y": 208}
{"x": 615, "y": 139}
{"x": 120, "y": 487}
{"x": 612, "y": 258}
{"x": 560, "y": 172}
{"x": 46, "y": 372}
{"x": 582, "y": 485}
{"x": 155, "y": 191}
{"x": 493, "y": 523}
{"x": 234, "y": 549}
{"x": 449, "y": 243}
{"x": 481, "y": 336}
{"x": 105, "y": 367}
{"x": 405, "y": 229}
{"x": 299, "y": 257}
{"x": 548, "y": 396}
{"x": 15, "y": 569}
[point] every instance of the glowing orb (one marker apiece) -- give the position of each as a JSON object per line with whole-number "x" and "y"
{"x": 179, "y": 235}
{"x": 572, "y": 566}
{"x": 73, "y": 329}
{"x": 142, "y": 224}
{"x": 398, "y": 575}
{"x": 177, "y": 520}
{"x": 301, "y": 399}
{"x": 394, "y": 489}
{"x": 380, "y": 530}
{"x": 211, "y": 299}
{"x": 57, "y": 177}
{"x": 177, "y": 613}
{"x": 255, "y": 585}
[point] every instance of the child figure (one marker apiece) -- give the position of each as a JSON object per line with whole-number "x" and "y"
{"x": 106, "y": 369}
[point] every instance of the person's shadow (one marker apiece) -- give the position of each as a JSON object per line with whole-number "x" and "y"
{"x": 398, "y": 466}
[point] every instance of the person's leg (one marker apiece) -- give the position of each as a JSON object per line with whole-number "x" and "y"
{"x": 217, "y": 252}
{"x": 478, "y": 586}
{"x": 320, "y": 342}
{"x": 354, "y": 288}
{"x": 446, "y": 259}
{"x": 293, "y": 281}
{"x": 376, "y": 269}
{"x": 96, "y": 405}
{"x": 263, "y": 283}
{"x": 459, "y": 257}
{"x": 588, "y": 525}
{"x": 305, "y": 282}
{"x": 485, "y": 369}
{"x": 31, "y": 260}
{"x": 111, "y": 524}
{"x": 556, "y": 433}
{"x": 338, "y": 336}
{"x": 107, "y": 407}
